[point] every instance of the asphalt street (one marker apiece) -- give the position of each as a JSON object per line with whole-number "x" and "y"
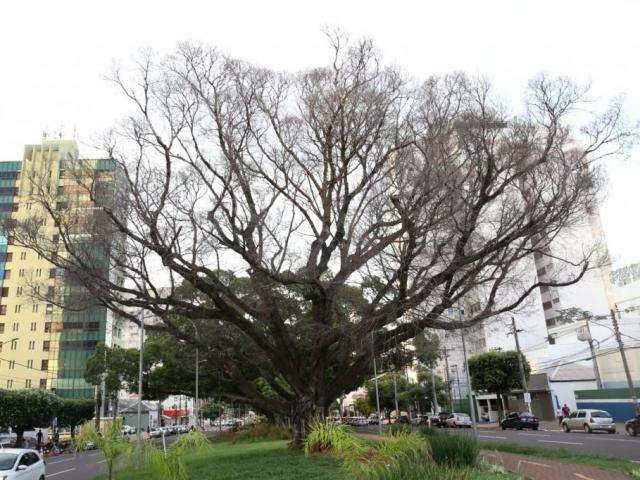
{"x": 83, "y": 466}
{"x": 618, "y": 445}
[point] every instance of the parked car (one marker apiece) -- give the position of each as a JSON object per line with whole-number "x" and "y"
{"x": 419, "y": 420}
{"x": 336, "y": 420}
{"x": 589, "y": 420}
{"x": 373, "y": 419}
{"x": 23, "y": 464}
{"x": 520, "y": 420}
{"x": 632, "y": 426}
{"x": 128, "y": 430}
{"x": 440, "y": 419}
{"x": 459, "y": 420}
{"x": 155, "y": 433}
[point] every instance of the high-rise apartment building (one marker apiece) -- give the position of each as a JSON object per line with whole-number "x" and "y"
{"x": 41, "y": 344}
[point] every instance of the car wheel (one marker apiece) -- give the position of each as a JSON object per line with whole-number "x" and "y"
{"x": 503, "y": 427}
{"x": 519, "y": 427}
{"x": 631, "y": 431}
{"x": 587, "y": 428}
{"x": 41, "y": 477}
{"x": 612, "y": 431}
{"x": 566, "y": 428}
{"x": 534, "y": 428}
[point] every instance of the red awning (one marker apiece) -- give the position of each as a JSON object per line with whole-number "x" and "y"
{"x": 174, "y": 413}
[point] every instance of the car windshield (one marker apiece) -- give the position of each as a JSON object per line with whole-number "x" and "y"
{"x": 463, "y": 415}
{"x": 7, "y": 461}
{"x": 600, "y": 414}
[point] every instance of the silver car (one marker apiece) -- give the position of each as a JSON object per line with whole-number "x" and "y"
{"x": 589, "y": 421}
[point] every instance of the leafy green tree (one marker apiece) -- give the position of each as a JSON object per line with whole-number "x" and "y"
{"x": 23, "y": 409}
{"x": 497, "y": 372}
{"x": 427, "y": 348}
{"x": 73, "y": 412}
{"x": 364, "y": 406}
{"x": 421, "y": 393}
{"x": 386, "y": 393}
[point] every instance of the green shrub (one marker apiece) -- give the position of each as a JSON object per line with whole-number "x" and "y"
{"x": 391, "y": 456}
{"x": 454, "y": 450}
{"x": 397, "y": 429}
{"x": 258, "y": 431}
{"x": 421, "y": 471}
{"x": 326, "y": 436}
{"x": 429, "y": 432}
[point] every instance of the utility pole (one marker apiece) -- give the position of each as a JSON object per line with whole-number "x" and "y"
{"x": 140, "y": 361}
{"x": 195, "y": 404}
{"x": 446, "y": 372}
{"x": 596, "y": 370}
{"x": 434, "y": 393}
{"x": 616, "y": 330}
{"x": 455, "y": 369}
{"x": 471, "y": 401}
{"x": 395, "y": 396}
{"x": 375, "y": 380}
{"x": 525, "y": 390}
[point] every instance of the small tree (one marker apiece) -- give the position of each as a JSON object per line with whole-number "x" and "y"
{"x": 111, "y": 444}
{"x": 73, "y": 412}
{"x": 386, "y": 394}
{"x": 497, "y": 372}
{"x": 23, "y": 409}
{"x": 363, "y": 406}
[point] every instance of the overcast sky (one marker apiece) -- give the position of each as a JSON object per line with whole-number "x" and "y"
{"x": 54, "y": 55}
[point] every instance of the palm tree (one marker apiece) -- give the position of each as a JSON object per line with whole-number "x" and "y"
{"x": 113, "y": 446}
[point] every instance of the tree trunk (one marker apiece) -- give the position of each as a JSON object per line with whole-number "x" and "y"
{"x": 302, "y": 413}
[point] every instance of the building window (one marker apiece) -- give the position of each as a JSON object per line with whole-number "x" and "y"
{"x": 556, "y": 300}
{"x": 29, "y": 363}
{"x": 544, "y": 289}
{"x": 18, "y": 291}
{"x": 3, "y": 309}
{"x": 49, "y": 308}
{"x": 12, "y": 364}
{"x": 27, "y": 383}
{"x": 46, "y": 345}
{"x": 21, "y": 273}
{"x": 47, "y": 327}
{"x": 8, "y": 257}
{"x": 33, "y": 326}
{"x": 7, "y": 274}
{"x": 52, "y": 273}
{"x": 35, "y": 307}
{"x": 16, "y": 308}
{"x": 547, "y": 305}
{"x": 9, "y": 383}
{"x": 44, "y": 365}
{"x": 1, "y": 327}
{"x": 14, "y": 344}
{"x": 32, "y": 345}
{"x": 5, "y": 291}
{"x": 55, "y": 238}
{"x": 36, "y": 290}
{"x": 23, "y": 255}
{"x": 15, "y": 326}
{"x": 38, "y": 272}
{"x": 51, "y": 291}
{"x": 43, "y": 383}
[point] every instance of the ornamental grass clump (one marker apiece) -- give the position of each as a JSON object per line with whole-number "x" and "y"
{"x": 326, "y": 436}
{"x": 453, "y": 450}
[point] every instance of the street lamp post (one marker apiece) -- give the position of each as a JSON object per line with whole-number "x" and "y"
{"x": 140, "y": 362}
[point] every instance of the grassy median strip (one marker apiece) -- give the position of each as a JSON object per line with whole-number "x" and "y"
{"x": 564, "y": 455}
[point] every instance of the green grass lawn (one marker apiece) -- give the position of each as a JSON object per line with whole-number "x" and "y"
{"x": 259, "y": 460}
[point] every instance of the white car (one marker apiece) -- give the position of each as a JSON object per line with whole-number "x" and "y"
{"x": 459, "y": 420}
{"x": 21, "y": 464}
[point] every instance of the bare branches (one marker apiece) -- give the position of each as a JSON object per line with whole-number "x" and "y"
{"x": 309, "y": 210}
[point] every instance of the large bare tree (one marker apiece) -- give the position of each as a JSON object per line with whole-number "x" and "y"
{"x": 288, "y": 224}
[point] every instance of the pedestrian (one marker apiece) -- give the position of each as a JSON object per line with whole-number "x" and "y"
{"x": 565, "y": 410}
{"x": 559, "y": 415}
{"x": 39, "y": 438}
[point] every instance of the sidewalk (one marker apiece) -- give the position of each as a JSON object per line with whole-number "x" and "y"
{"x": 544, "y": 469}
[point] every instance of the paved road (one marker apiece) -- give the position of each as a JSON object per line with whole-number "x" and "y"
{"x": 619, "y": 445}
{"x": 83, "y": 466}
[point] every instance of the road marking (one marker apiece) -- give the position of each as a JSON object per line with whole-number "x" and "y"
{"x": 101, "y": 461}
{"x": 584, "y": 477}
{"x": 533, "y": 463}
{"x": 564, "y": 443}
{"x": 487, "y": 436}
{"x": 58, "y": 473}
{"x": 534, "y": 435}
{"x": 60, "y": 461}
